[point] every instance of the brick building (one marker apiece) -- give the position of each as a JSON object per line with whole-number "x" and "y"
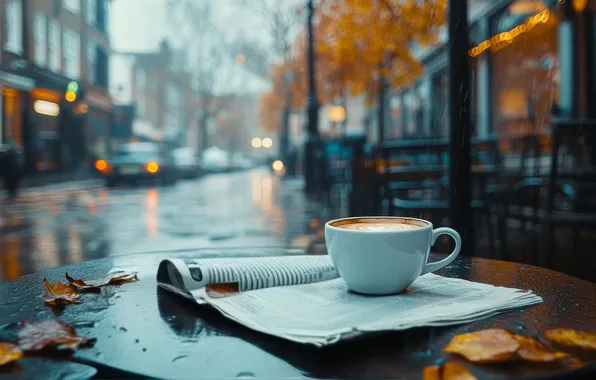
{"x": 53, "y": 44}
{"x": 161, "y": 91}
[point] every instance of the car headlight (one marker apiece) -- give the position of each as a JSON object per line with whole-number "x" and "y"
{"x": 277, "y": 165}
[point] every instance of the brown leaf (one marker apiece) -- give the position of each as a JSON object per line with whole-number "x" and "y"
{"x": 455, "y": 371}
{"x": 432, "y": 372}
{"x": 449, "y": 371}
{"x": 222, "y": 290}
{"x": 115, "y": 279}
{"x": 53, "y": 334}
{"x": 572, "y": 338}
{"x": 485, "y": 346}
{"x": 9, "y": 353}
{"x": 59, "y": 293}
{"x": 574, "y": 363}
{"x": 534, "y": 351}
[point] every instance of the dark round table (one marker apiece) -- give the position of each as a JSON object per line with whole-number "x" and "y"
{"x": 145, "y": 331}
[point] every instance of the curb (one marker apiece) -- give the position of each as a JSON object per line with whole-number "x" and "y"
{"x": 64, "y": 187}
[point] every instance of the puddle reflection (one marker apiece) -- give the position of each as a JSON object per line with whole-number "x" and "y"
{"x": 10, "y": 267}
{"x": 47, "y": 230}
{"x": 151, "y": 218}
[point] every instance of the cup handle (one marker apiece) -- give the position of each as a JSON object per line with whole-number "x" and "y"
{"x": 431, "y": 267}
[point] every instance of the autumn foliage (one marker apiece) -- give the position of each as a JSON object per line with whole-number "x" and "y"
{"x": 358, "y": 44}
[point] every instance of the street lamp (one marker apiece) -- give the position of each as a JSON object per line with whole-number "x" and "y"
{"x": 267, "y": 142}
{"x": 257, "y": 143}
{"x": 312, "y": 108}
{"x": 284, "y": 140}
{"x": 337, "y": 114}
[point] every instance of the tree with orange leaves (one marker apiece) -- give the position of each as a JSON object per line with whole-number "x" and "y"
{"x": 364, "y": 40}
{"x": 364, "y": 46}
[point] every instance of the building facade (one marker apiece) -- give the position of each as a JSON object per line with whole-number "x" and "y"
{"x": 57, "y": 45}
{"x": 161, "y": 92}
{"x": 526, "y": 59}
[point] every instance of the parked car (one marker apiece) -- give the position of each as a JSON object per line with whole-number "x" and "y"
{"x": 240, "y": 162}
{"x": 136, "y": 162}
{"x": 215, "y": 160}
{"x": 11, "y": 167}
{"x": 187, "y": 165}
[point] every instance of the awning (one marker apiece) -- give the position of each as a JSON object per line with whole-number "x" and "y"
{"x": 16, "y": 81}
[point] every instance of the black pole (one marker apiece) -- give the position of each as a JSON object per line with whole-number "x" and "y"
{"x": 284, "y": 141}
{"x": 381, "y": 112}
{"x": 312, "y": 110}
{"x": 460, "y": 126}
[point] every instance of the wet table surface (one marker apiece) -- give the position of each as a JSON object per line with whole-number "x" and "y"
{"x": 143, "y": 330}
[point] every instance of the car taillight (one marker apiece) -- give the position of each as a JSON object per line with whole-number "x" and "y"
{"x": 102, "y": 166}
{"x": 152, "y": 167}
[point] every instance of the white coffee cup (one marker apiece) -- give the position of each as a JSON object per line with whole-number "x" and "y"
{"x": 377, "y": 260}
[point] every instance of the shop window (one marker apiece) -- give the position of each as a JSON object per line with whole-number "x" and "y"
{"x": 423, "y": 110}
{"x": 39, "y": 33}
{"x": 14, "y": 27}
{"x": 396, "y": 109}
{"x": 102, "y": 67}
{"x": 54, "y": 46}
{"x": 12, "y": 115}
{"x": 440, "y": 106}
{"x": 92, "y": 62}
{"x": 524, "y": 71}
{"x": 71, "y": 54}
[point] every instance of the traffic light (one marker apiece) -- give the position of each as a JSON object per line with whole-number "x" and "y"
{"x": 71, "y": 92}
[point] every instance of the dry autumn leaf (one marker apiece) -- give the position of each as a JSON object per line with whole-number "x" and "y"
{"x": 59, "y": 293}
{"x": 485, "y": 346}
{"x": 222, "y": 290}
{"x": 532, "y": 350}
{"x": 572, "y": 338}
{"x": 432, "y": 372}
{"x": 9, "y": 353}
{"x": 455, "y": 371}
{"x": 449, "y": 371}
{"x": 114, "y": 279}
{"x": 50, "y": 335}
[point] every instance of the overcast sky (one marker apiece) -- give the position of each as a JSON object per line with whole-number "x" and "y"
{"x": 140, "y": 25}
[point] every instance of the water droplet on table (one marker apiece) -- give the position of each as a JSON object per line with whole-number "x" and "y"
{"x": 245, "y": 375}
{"x": 81, "y": 324}
{"x": 179, "y": 358}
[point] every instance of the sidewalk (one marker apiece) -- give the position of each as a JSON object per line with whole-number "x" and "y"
{"x": 56, "y": 181}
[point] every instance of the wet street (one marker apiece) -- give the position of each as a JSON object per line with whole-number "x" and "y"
{"x": 46, "y": 228}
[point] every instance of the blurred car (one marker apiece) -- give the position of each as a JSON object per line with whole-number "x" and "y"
{"x": 215, "y": 160}
{"x": 240, "y": 162}
{"x": 137, "y": 161}
{"x": 11, "y": 167}
{"x": 187, "y": 165}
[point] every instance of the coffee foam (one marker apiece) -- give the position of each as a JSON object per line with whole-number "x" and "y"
{"x": 379, "y": 224}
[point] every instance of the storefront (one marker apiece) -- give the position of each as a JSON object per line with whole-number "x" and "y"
{"x": 45, "y": 118}
{"x": 440, "y": 105}
{"x": 97, "y": 122}
{"x": 13, "y": 96}
{"x": 525, "y": 80}
{"x": 396, "y": 126}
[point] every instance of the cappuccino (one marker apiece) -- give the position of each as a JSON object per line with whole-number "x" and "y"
{"x": 384, "y": 255}
{"x": 379, "y": 224}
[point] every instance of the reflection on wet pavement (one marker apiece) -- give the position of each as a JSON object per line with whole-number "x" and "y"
{"x": 52, "y": 228}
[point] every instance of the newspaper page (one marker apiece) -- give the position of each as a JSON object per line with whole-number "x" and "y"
{"x": 188, "y": 276}
{"x": 324, "y": 313}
